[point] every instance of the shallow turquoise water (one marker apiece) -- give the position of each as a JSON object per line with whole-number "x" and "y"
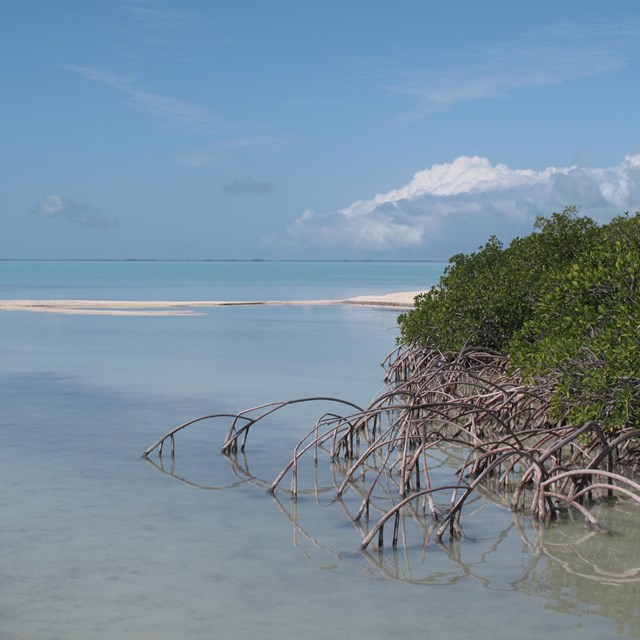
{"x": 253, "y": 280}
{"x": 96, "y": 543}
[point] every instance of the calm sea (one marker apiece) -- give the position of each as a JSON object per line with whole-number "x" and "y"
{"x": 215, "y": 280}
{"x": 98, "y": 544}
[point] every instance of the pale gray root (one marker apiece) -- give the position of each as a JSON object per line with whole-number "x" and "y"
{"x": 469, "y": 407}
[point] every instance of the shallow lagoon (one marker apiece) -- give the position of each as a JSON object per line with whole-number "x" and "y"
{"x": 97, "y": 543}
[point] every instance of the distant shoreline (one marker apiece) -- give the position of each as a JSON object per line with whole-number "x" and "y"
{"x": 398, "y": 300}
{"x": 258, "y": 260}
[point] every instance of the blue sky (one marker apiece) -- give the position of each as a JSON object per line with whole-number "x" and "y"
{"x": 289, "y": 129}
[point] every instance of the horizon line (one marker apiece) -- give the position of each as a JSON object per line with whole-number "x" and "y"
{"x": 216, "y": 260}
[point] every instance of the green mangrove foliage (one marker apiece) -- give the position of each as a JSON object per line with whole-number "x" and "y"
{"x": 584, "y": 334}
{"x": 561, "y": 303}
{"x": 483, "y": 298}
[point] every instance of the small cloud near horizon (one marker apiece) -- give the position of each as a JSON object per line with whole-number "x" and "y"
{"x": 55, "y": 205}
{"x": 248, "y": 186}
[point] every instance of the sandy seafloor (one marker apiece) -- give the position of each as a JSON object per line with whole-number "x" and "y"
{"x": 96, "y": 543}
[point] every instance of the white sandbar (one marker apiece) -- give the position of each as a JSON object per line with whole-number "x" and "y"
{"x": 403, "y": 299}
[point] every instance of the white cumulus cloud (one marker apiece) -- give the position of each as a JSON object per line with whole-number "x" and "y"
{"x": 455, "y": 206}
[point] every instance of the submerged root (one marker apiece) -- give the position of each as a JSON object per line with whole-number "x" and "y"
{"x": 468, "y": 409}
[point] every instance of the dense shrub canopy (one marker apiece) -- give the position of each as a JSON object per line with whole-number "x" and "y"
{"x": 584, "y": 334}
{"x": 483, "y": 298}
{"x": 562, "y": 303}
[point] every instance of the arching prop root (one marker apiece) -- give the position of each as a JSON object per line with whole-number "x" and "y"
{"x": 468, "y": 407}
{"x": 240, "y": 426}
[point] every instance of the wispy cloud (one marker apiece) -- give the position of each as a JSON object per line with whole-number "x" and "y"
{"x": 543, "y": 57}
{"x": 54, "y": 205}
{"x": 158, "y": 18}
{"x": 168, "y": 111}
{"x": 455, "y": 206}
{"x": 216, "y": 151}
{"x": 248, "y": 186}
{"x": 152, "y": 29}
{"x": 198, "y": 158}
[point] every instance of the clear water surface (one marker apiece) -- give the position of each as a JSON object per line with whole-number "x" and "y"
{"x": 210, "y": 280}
{"x": 98, "y": 544}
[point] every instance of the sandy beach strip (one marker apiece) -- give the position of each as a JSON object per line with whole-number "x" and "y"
{"x": 400, "y": 300}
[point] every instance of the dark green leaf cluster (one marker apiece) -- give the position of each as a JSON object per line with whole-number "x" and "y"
{"x": 562, "y": 303}
{"x": 483, "y": 298}
{"x": 584, "y": 334}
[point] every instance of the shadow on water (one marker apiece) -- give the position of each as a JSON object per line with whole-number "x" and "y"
{"x": 96, "y": 546}
{"x": 573, "y": 569}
